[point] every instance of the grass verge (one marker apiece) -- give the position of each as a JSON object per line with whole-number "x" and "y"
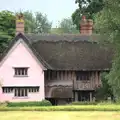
{"x": 65, "y": 108}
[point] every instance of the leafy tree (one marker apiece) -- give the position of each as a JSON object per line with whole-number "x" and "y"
{"x": 42, "y": 23}
{"x": 104, "y": 91}
{"x": 7, "y": 28}
{"x": 36, "y": 23}
{"x": 30, "y": 23}
{"x": 108, "y": 22}
{"x": 65, "y": 26}
{"x": 88, "y": 8}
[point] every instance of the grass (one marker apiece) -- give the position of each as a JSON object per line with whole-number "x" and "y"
{"x": 65, "y": 108}
{"x": 88, "y": 115}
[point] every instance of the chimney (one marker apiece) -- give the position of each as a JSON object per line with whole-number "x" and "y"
{"x": 86, "y": 26}
{"x": 19, "y": 23}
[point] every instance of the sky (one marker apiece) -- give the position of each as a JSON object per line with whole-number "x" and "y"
{"x": 55, "y": 10}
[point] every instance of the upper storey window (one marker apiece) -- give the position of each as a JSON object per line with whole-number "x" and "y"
{"x": 82, "y": 75}
{"x": 23, "y": 71}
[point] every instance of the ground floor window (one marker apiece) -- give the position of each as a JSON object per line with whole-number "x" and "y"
{"x": 20, "y": 91}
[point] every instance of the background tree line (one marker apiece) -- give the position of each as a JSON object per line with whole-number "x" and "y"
{"x": 34, "y": 23}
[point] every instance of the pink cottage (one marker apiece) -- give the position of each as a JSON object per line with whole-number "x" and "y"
{"x": 59, "y": 68}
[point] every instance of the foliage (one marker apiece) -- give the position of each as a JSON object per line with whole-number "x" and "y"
{"x": 36, "y": 22}
{"x": 7, "y": 28}
{"x": 108, "y": 21}
{"x": 30, "y": 24}
{"x": 28, "y": 104}
{"x": 42, "y": 23}
{"x": 104, "y": 91}
{"x": 108, "y": 107}
{"x": 88, "y": 8}
{"x": 65, "y": 26}
{"x": 83, "y": 103}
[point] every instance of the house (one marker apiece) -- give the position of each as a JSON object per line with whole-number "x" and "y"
{"x": 59, "y": 68}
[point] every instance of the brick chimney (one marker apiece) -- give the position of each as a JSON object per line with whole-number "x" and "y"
{"x": 19, "y": 23}
{"x": 86, "y": 26}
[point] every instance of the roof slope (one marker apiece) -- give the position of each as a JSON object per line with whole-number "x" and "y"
{"x": 71, "y": 52}
{"x": 20, "y": 35}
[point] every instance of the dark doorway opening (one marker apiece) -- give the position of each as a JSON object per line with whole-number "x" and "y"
{"x": 85, "y": 95}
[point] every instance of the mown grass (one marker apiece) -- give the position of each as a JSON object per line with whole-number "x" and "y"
{"x": 91, "y": 115}
{"x": 65, "y": 108}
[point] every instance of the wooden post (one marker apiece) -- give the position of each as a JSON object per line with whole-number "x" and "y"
{"x": 62, "y": 75}
{"x": 90, "y": 96}
{"x": 96, "y": 78}
{"x": 76, "y": 96}
{"x": 58, "y": 75}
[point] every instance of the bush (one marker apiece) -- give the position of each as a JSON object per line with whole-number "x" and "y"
{"x": 3, "y": 104}
{"x": 29, "y": 104}
{"x": 83, "y": 103}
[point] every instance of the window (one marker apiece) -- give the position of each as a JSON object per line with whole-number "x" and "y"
{"x": 21, "y": 71}
{"x": 82, "y": 75}
{"x": 50, "y": 75}
{"x": 34, "y": 89}
{"x": 20, "y": 91}
{"x": 7, "y": 89}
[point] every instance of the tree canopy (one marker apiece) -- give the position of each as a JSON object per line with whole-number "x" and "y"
{"x": 65, "y": 26}
{"x": 34, "y": 23}
{"x": 88, "y": 8}
{"x": 7, "y": 28}
{"x": 108, "y": 22}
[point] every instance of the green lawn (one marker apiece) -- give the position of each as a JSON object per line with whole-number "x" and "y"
{"x": 59, "y": 115}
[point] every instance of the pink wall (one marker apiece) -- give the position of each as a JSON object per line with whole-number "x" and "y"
{"x": 21, "y": 56}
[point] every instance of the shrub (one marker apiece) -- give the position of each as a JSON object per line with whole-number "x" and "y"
{"x": 83, "y": 103}
{"x": 29, "y": 104}
{"x": 2, "y": 104}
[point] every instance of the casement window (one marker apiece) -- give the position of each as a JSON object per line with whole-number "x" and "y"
{"x": 21, "y": 71}
{"x": 7, "y": 89}
{"x": 50, "y": 75}
{"x": 82, "y": 75}
{"x": 20, "y": 91}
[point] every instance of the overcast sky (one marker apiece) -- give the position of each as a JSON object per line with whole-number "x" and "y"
{"x": 54, "y": 9}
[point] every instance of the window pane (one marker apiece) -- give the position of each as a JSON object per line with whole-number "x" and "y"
{"x": 21, "y": 71}
{"x": 18, "y": 89}
{"x": 22, "y": 92}
{"x": 82, "y": 76}
{"x": 26, "y": 94}
{"x": 15, "y": 92}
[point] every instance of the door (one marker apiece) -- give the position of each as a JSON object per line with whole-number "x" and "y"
{"x": 83, "y": 96}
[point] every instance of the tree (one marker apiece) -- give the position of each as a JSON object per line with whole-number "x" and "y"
{"x": 108, "y": 22}
{"x": 66, "y": 26}
{"x": 30, "y": 23}
{"x": 36, "y": 23}
{"x": 7, "y": 28}
{"x": 88, "y": 8}
{"x": 42, "y": 23}
{"x": 104, "y": 91}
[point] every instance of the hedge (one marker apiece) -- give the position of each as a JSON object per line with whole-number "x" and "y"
{"x": 65, "y": 108}
{"x": 84, "y": 103}
{"x": 94, "y": 103}
{"x": 29, "y": 104}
